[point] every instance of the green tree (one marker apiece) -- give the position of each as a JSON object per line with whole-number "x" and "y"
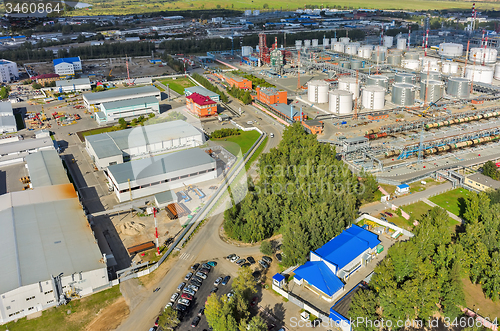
{"x": 474, "y": 204}
{"x": 368, "y": 186}
{"x": 4, "y": 93}
{"x": 490, "y": 170}
{"x": 122, "y": 123}
{"x": 168, "y": 319}
{"x": 266, "y": 248}
{"x": 257, "y": 323}
{"x": 491, "y": 277}
{"x": 244, "y": 283}
{"x": 452, "y": 293}
{"x": 36, "y": 86}
{"x": 363, "y": 306}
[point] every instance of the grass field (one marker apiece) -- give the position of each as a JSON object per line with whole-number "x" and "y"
{"x": 453, "y": 201}
{"x": 57, "y": 319}
{"x": 243, "y": 142}
{"x": 475, "y": 298}
{"x": 83, "y": 134}
{"x": 257, "y": 153}
{"x": 126, "y": 7}
{"x": 178, "y": 85}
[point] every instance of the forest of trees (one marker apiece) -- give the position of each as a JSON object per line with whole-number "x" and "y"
{"x": 303, "y": 192}
{"x": 423, "y": 276}
{"x": 243, "y": 95}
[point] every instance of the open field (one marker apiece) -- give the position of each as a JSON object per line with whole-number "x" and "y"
{"x": 475, "y": 299}
{"x": 124, "y": 7}
{"x": 453, "y": 201}
{"x": 178, "y": 85}
{"x": 82, "y": 312}
{"x": 244, "y": 141}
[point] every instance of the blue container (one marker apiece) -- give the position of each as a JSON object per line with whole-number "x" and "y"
{"x": 60, "y": 98}
{"x": 343, "y": 122}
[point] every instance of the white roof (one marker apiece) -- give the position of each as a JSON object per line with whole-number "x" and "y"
{"x": 71, "y": 82}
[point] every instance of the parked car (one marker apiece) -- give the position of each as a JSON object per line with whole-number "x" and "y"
{"x": 180, "y": 307}
{"x": 267, "y": 259}
{"x": 174, "y": 297}
{"x": 226, "y": 280}
{"x": 195, "y": 321}
{"x": 195, "y": 267}
{"x": 240, "y": 261}
{"x": 279, "y": 257}
{"x": 195, "y": 282}
{"x": 193, "y": 287}
{"x": 389, "y": 214}
{"x": 255, "y": 299}
{"x": 212, "y": 263}
{"x": 217, "y": 281}
{"x": 206, "y": 266}
{"x": 383, "y": 218}
{"x": 256, "y": 275}
{"x": 168, "y": 305}
{"x": 246, "y": 264}
{"x": 230, "y": 256}
{"x": 188, "y": 291}
{"x": 201, "y": 311}
{"x": 181, "y": 286}
{"x": 197, "y": 279}
{"x": 186, "y": 296}
{"x": 184, "y": 302}
{"x": 201, "y": 275}
{"x": 188, "y": 276}
{"x": 251, "y": 260}
{"x": 204, "y": 271}
{"x": 214, "y": 290}
{"x": 263, "y": 264}
{"x": 235, "y": 258}
{"x": 230, "y": 294}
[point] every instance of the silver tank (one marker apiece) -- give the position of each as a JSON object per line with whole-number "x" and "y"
{"x": 356, "y": 64}
{"x": 433, "y": 75}
{"x": 403, "y": 77}
{"x": 394, "y": 59}
{"x": 411, "y": 56}
{"x": 378, "y": 80}
{"x": 403, "y": 94}
{"x": 458, "y": 87}
{"x": 434, "y": 90}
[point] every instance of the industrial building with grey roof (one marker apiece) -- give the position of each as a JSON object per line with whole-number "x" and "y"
{"x": 91, "y": 100}
{"x": 115, "y": 147}
{"x": 7, "y": 119}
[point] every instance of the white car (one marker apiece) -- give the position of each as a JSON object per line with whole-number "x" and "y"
{"x": 193, "y": 287}
{"x": 235, "y": 258}
{"x": 201, "y": 275}
{"x": 168, "y": 305}
{"x": 184, "y": 302}
{"x": 217, "y": 281}
{"x": 271, "y": 135}
{"x": 174, "y": 297}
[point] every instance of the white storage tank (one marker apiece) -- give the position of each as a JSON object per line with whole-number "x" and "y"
{"x": 412, "y": 56}
{"x": 497, "y": 71}
{"x": 340, "y": 102}
{"x": 394, "y": 59}
{"x": 365, "y": 51}
{"x": 403, "y": 77}
{"x": 482, "y": 74}
{"x": 349, "y": 84}
{"x": 326, "y": 42}
{"x": 378, "y": 80}
{"x": 449, "y": 68}
{"x": 307, "y": 43}
{"x": 433, "y": 88}
{"x": 403, "y": 94}
{"x": 483, "y": 55}
{"x": 333, "y": 40}
{"x": 317, "y": 91}
{"x": 401, "y": 43}
{"x": 450, "y": 50}
{"x": 388, "y": 41}
{"x": 338, "y": 47}
{"x": 344, "y": 40}
{"x": 298, "y": 44}
{"x": 315, "y": 43}
{"x": 426, "y": 60}
{"x": 411, "y": 64}
{"x": 433, "y": 75}
{"x": 246, "y": 50}
{"x": 351, "y": 48}
{"x": 373, "y": 97}
{"x": 378, "y": 54}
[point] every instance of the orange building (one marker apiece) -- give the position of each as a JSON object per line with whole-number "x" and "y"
{"x": 313, "y": 126}
{"x": 45, "y": 78}
{"x": 271, "y": 96}
{"x": 232, "y": 80}
{"x": 201, "y": 105}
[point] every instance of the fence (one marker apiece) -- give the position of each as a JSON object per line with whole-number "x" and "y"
{"x": 384, "y": 223}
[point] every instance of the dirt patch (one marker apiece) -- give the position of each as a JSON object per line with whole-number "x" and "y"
{"x": 110, "y": 317}
{"x": 151, "y": 280}
{"x": 475, "y": 300}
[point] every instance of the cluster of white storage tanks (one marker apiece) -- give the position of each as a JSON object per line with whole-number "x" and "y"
{"x": 373, "y": 97}
{"x": 482, "y": 74}
{"x": 349, "y": 84}
{"x": 317, "y": 91}
{"x": 340, "y": 102}
{"x": 450, "y": 50}
{"x": 483, "y": 55}
{"x": 401, "y": 44}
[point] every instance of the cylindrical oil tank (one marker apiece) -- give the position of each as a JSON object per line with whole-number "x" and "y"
{"x": 411, "y": 64}
{"x": 351, "y": 48}
{"x": 344, "y": 40}
{"x": 307, "y": 43}
{"x": 388, "y": 41}
{"x": 450, "y": 50}
{"x": 449, "y": 68}
{"x": 412, "y": 56}
{"x": 403, "y": 77}
{"x": 345, "y": 64}
{"x": 401, "y": 43}
{"x": 403, "y": 94}
{"x": 338, "y": 47}
{"x": 298, "y": 44}
{"x": 315, "y": 43}
{"x": 373, "y": 97}
{"x": 458, "y": 87}
{"x": 340, "y": 102}
{"x": 365, "y": 51}
{"x": 333, "y": 40}
{"x": 483, "y": 55}
{"x": 379, "y": 80}
{"x": 482, "y": 74}
{"x": 356, "y": 64}
{"x": 317, "y": 91}
{"x": 433, "y": 75}
{"x": 427, "y": 60}
{"x": 326, "y": 42}
{"x": 394, "y": 59}
{"x": 496, "y": 75}
{"x": 379, "y": 53}
{"x": 349, "y": 84}
{"x": 433, "y": 88}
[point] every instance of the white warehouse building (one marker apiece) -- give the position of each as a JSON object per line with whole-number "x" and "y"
{"x": 8, "y": 71}
{"x": 73, "y": 85}
{"x": 116, "y": 147}
{"x": 49, "y": 250}
{"x": 7, "y": 119}
{"x": 149, "y": 176}
{"x": 93, "y": 101}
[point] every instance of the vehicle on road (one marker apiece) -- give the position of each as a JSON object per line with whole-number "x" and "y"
{"x": 188, "y": 291}
{"x": 156, "y": 290}
{"x": 181, "y": 286}
{"x": 201, "y": 311}
{"x": 230, "y": 256}
{"x": 254, "y": 301}
{"x": 217, "y": 281}
{"x": 267, "y": 259}
{"x": 186, "y": 296}
{"x": 188, "y": 276}
{"x": 226, "y": 280}
{"x": 271, "y": 135}
{"x": 195, "y": 321}
{"x": 251, "y": 260}
{"x": 240, "y": 262}
{"x": 235, "y": 258}
{"x": 184, "y": 302}
{"x": 201, "y": 275}
{"x": 193, "y": 287}
{"x": 195, "y": 267}
{"x": 174, "y": 297}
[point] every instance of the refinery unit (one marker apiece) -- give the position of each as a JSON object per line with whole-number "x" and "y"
{"x": 411, "y": 103}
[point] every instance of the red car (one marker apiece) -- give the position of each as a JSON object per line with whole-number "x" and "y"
{"x": 254, "y": 301}
{"x": 187, "y": 296}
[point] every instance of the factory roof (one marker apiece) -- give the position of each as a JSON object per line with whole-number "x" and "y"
{"x": 485, "y": 180}
{"x": 200, "y": 90}
{"x": 7, "y": 122}
{"x": 159, "y": 165}
{"x": 44, "y": 233}
{"x": 320, "y": 276}
{"x": 66, "y": 60}
{"x": 164, "y": 198}
{"x": 356, "y": 139}
{"x": 45, "y": 169}
{"x": 6, "y": 108}
{"x": 71, "y": 82}
{"x": 124, "y": 93}
{"x": 129, "y": 103}
{"x": 201, "y": 100}
{"x": 283, "y": 108}
{"x": 25, "y": 145}
{"x": 269, "y": 90}
{"x": 113, "y": 143}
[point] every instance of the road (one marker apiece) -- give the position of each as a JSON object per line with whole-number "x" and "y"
{"x": 206, "y": 245}
{"x": 407, "y": 199}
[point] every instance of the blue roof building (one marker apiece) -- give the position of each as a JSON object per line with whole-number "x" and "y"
{"x": 67, "y": 66}
{"x": 332, "y": 264}
{"x": 403, "y": 188}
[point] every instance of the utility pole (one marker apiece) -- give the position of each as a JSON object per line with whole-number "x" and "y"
{"x": 156, "y": 232}
{"x": 298, "y": 71}
{"x": 168, "y": 92}
{"x": 355, "y": 116}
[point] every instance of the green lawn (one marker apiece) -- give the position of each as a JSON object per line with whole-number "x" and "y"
{"x": 57, "y": 319}
{"x": 453, "y": 201}
{"x": 256, "y": 154}
{"x": 242, "y": 142}
{"x": 83, "y": 134}
{"x": 417, "y": 209}
{"x": 178, "y": 85}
